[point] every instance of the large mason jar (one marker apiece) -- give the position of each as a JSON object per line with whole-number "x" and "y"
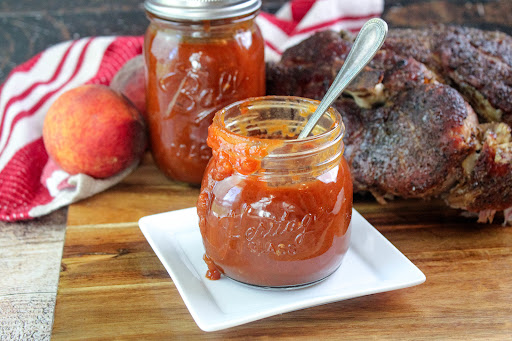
{"x": 200, "y": 55}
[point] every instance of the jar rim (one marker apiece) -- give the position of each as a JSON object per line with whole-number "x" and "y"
{"x": 331, "y": 136}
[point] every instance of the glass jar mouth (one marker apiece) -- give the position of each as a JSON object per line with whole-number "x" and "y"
{"x": 296, "y": 111}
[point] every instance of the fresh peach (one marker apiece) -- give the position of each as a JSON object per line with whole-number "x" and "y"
{"x": 130, "y": 81}
{"x": 94, "y": 130}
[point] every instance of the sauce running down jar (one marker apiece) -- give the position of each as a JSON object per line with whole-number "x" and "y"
{"x": 200, "y": 55}
{"x": 275, "y": 211}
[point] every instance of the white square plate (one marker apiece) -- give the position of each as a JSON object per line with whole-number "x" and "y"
{"x": 372, "y": 265}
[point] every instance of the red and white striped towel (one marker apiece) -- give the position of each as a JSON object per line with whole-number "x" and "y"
{"x": 298, "y": 19}
{"x": 31, "y": 185}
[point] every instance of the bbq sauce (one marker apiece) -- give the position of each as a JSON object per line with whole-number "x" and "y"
{"x": 274, "y": 212}
{"x": 195, "y": 66}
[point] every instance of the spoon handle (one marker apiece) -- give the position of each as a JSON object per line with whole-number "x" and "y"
{"x": 367, "y": 43}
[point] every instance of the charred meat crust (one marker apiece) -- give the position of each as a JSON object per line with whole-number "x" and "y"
{"x": 414, "y": 147}
{"x": 409, "y": 132}
{"x": 477, "y": 63}
{"x": 487, "y": 173}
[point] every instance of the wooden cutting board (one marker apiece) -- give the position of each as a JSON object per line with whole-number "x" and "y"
{"x": 112, "y": 285}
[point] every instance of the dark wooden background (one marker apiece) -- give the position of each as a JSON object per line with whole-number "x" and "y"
{"x": 29, "y": 26}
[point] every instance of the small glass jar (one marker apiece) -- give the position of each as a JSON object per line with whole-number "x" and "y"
{"x": 200, "y": 55}
{"x": 275, "y": 211}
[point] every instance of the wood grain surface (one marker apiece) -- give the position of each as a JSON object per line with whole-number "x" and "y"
{"x": 484, "y": 14}
{"x": 112, "y": 285}
{"x": 29, "y": 271}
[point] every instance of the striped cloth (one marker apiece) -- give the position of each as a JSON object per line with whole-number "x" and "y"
{"x": 31, "y": 184}
{"x": 298, "y": 19}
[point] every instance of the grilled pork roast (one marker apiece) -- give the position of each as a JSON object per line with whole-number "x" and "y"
{"x": 477, "y": 63}
{"x": 417, "y": 116}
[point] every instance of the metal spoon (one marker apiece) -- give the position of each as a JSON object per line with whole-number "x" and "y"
{"x": 368, "y": 42}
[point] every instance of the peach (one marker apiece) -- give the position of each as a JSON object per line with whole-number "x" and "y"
{"x": 94, "y": 130}
{"x": 130, "y": 81}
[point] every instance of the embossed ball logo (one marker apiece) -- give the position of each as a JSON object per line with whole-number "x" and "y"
{"x": 190, "y": 83}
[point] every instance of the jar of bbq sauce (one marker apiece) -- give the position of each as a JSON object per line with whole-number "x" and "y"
{"x": 200, "y": 55}
{"x": 275, "y": 211}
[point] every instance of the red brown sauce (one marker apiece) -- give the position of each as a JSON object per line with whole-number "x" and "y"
{"x": 187, "y": 81}
{"x": 265, "y": 233}
{"x": 213, "y": 271}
